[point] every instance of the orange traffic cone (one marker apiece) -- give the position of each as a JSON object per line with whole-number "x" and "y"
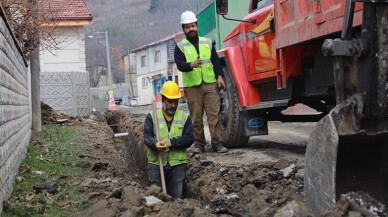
{"x": 112, "y": 105}
{"x": 158, "y": 103}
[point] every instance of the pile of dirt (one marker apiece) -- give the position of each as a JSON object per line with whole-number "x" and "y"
{"x": 246, "y": 190}
{"x": 50, "y": 116}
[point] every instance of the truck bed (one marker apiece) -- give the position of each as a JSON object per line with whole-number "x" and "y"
{"x": 298, "y": 21}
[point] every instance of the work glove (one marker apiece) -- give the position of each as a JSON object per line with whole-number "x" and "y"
{"x": 164, "y": 145}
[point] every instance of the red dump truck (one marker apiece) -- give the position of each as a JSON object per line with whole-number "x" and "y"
{"x": 331, "y": 55}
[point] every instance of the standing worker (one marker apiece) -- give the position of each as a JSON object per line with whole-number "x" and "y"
{"x": 176, "y": 134}
{"x": 201, "y": 69}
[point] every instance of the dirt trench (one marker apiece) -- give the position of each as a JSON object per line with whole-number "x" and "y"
{"x": 211, "y": 188}
{"x": 248, "y": 189}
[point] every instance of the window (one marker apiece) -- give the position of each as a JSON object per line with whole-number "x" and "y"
{"x": 157, "y": 56}
{"x": 144, "y": 83}
{"x": 257, "y": 4}
{"x": 143, "y": 61}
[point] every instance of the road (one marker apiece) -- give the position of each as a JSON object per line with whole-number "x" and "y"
{"x": 285, "y": 141}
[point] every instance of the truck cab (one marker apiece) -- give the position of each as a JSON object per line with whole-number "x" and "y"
{"x": 266, "y": 80}
{"x": 330, "y": 55}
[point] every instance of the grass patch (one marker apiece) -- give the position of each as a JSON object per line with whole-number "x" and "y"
{"x": 52, "y": 156}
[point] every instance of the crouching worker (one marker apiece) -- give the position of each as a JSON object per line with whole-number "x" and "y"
{"x": 176, "y": 134}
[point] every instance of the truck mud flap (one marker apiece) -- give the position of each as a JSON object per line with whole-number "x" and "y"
{"x": 255, "y": 124}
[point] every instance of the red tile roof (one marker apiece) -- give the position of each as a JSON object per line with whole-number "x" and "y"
{"x": 67, "y": 9}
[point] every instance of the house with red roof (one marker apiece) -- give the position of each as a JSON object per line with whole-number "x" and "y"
{"x": 64, "y": 83}
{"x": 69, "y": 54}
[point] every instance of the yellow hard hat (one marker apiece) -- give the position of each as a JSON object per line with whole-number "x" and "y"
{"x": 171, "y": 90}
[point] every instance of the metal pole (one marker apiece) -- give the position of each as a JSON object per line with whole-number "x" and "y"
{"x": 130, "y": 73}
{"x": 109, "y": 75}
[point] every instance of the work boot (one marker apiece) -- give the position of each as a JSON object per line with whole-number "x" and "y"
{"x": 198, "y": 149}
{"x": 220, "y": 148}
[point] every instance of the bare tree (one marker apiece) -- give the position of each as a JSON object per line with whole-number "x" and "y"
{"x": 33, "y": 25}
{"x": 95, "y": 61}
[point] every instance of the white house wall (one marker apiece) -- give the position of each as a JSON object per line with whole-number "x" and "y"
{"x": 151, "y": 69}
{"x": 151, "y": 66}
{"x": 144, "y": 91}
{"x": 71, "y": 53}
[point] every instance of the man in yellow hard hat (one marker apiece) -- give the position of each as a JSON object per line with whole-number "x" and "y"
{"x": 202, "y": 75}
{"x": 176, "y": 134}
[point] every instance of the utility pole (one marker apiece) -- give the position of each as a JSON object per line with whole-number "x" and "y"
{"x": 197, "y": 6}
{"x": 109, "y": 76}
{"x": 130, "y": 73}
{"x": 35, "y": 84}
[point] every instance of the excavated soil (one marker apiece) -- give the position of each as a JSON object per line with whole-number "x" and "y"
{"x": 116, "y": 173}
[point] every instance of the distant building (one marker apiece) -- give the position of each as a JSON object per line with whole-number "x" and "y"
{"x": 64, "y": 79}
{"x": 155, "y": 65}
{"x": 72, "y": 16}
{"x": 130, "y": 71}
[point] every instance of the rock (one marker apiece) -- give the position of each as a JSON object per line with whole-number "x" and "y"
{"x": 51, "y": 187}
{"x": 62, "y": 121}
{"x": 224, "y": 171}
{"x": 223, "y": 203}
{"x": 289, "y": 171}
{"x": 116, "y": 193}
{"x": 131, "y": 195}
{"x": 100, "y": 166}
{"x": 127, "y": 213}
{"x": 6, "y": 206}
{"x": 97, "y": 210}
{"x": 294, "y": 209}
{"x": 281, "y": 164}
{"x": 273, "y": 176}
{"x": 338, "y": 209}
{"x": 151, "y": 201}
{"x": 206, "y": 163}
{"x": 354, "y": 214}
{"x": 258, "y": 182}
{"x": 153, "y": 190}
{"x": 365, "y": 204}
{"x": 249, "y": 190}
{"x": 91, "y": 196}
{"x": 300, "y": 174}
{"x": 165, "y": 197}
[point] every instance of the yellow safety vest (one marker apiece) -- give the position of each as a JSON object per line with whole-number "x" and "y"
{"x": 205, "y": 72}
{"x": 174, "y": 156}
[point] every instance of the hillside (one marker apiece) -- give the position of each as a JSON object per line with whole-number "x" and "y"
{"x": 133, "y": 23}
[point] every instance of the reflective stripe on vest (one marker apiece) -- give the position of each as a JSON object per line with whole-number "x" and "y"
{"x": 174, "y": 156}
{"x": 205, "y": 72}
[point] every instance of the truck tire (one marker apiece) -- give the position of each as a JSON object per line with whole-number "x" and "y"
{"x": 232, "y": 119}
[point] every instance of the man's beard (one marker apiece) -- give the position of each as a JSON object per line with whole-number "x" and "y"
{"x": 170, "y": 111}
{"x": 188, "y": 36}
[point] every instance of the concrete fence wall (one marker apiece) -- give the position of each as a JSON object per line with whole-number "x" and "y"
{"x": 66, "y": 92}
{"x": 15, "y": 115}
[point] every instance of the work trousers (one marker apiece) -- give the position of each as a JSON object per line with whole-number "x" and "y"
{"x": 205, "y": 97}
{"x": 173, "y": 175}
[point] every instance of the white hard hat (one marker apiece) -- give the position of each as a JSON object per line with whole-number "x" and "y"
{"x": 188, "y": 17}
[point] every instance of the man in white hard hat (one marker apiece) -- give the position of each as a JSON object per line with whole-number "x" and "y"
{"x": 202, "y": 74}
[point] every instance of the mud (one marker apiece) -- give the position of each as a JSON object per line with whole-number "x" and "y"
{"x": 216, "y": 184}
